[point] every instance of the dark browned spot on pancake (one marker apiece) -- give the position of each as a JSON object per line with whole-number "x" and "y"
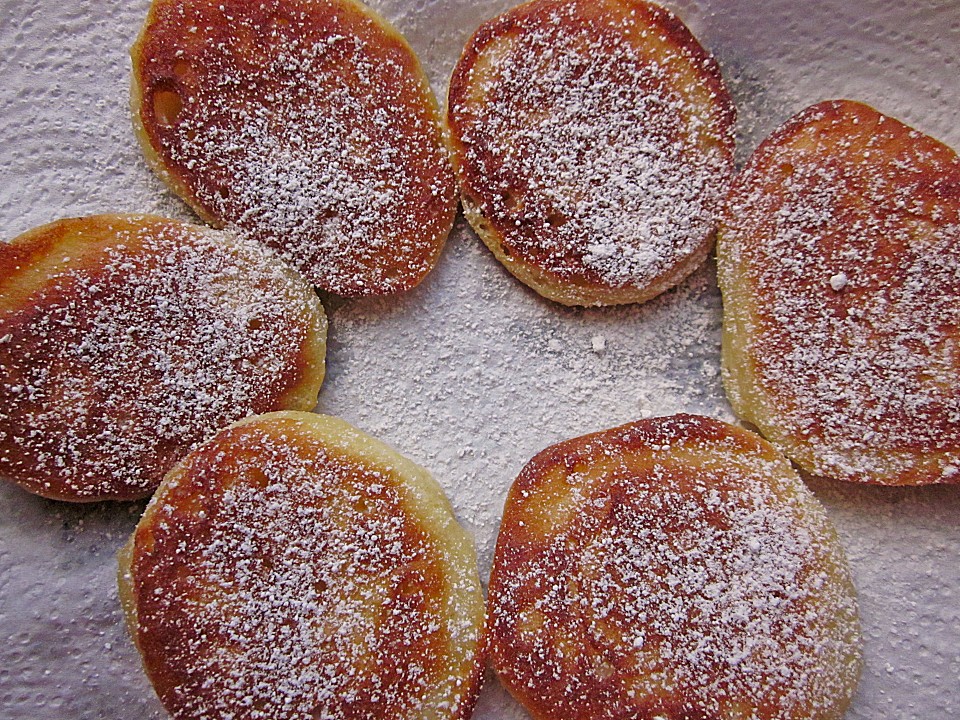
{"x": 556, "y": 219}
{"x": 167, "y": 105}
{"x": 182, "y": 70}
{"x": 363, "y": 505}
{"x": 512, "y": 201}
{"x": 258, "y": 478}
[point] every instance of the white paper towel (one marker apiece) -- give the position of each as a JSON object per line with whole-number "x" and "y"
{"x": 471, "y": 374}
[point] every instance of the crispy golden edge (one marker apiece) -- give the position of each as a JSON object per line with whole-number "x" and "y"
{"x": 128, "y": 601}
{"x": 738, "y": 371}
{"x": 576, "y": 291}
{"x": 438, "y": 116}
{"x": 30, "y": 259}
{"x": 137, "y": 107}
{"x": 693, "y": 448}
{"x": 422, "y": 496}
{"x": 738, "y": 367}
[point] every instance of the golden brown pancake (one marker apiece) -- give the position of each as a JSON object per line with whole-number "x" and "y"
{"x": 671, "y": 569}
{"x": 125, "y": 340}
{"x": 839, "y": 262}
{"x": 306, "y": 124}
{"x": 293, "y": 567}
{"x": 593, "y": 141}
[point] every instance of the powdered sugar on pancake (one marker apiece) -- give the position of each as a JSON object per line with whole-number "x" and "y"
{"x": 690, "y": 578}
{"x": 146, "y": 345}
{"x": 587, "y": 149}
{"x": 845, "y": 230}
{"x": 280, "y": 577}
{"x": 306, "y": 126}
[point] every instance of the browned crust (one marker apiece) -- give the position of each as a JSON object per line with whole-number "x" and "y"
{"x": 525, "y": 240}
{"x": 163, "y": 574}
{"x": 61, "y": 288}
{"x": 577, "y": 663}
{"x": 890, "y": 198}
{"x": 220, "y": 60}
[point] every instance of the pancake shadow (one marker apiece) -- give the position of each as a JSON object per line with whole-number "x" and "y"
{"x": 62, "y": 524}
{"x": 940, "y": 503}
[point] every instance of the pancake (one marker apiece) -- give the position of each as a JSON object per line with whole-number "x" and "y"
{"x": 671, "y": 569}
{"x": 306, "y": 124}
{"x": 593, "y": 142}
{"x": 125, "y": 340}
{"x": 293, "y": 567}
{"x": 839, "y": 263}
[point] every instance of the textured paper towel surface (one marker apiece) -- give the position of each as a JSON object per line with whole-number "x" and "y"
{"x": 470, "y": 374}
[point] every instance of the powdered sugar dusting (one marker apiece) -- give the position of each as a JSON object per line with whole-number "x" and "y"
{"x": 587, "y": 151}
{"x": 470, "y": 374}
{"x": 306, "y": 127}
{"x": 706, "y": 581}
{"x": 857, "y": 255}
{"x": 280, "y": 578}
{"x": 166, "y": 332}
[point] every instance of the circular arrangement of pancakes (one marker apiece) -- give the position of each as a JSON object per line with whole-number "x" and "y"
{"x": 672, "y": 568}
{"x": 839, "y": 263}
{"x": 306, "y": 124}
{"x": 293, "y": 567}
{"x": 593, "y": 142}
{"x": 125, "y": 340}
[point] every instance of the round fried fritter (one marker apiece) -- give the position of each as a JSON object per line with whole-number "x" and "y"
{"x": 593, "y": 141}
{"x": 294, "y": 568}
{"x": 306, "y": 124}
{"x": 839, "y": 263}
{"x": 671, "y": 569}
{"x": 125, "y": 340}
